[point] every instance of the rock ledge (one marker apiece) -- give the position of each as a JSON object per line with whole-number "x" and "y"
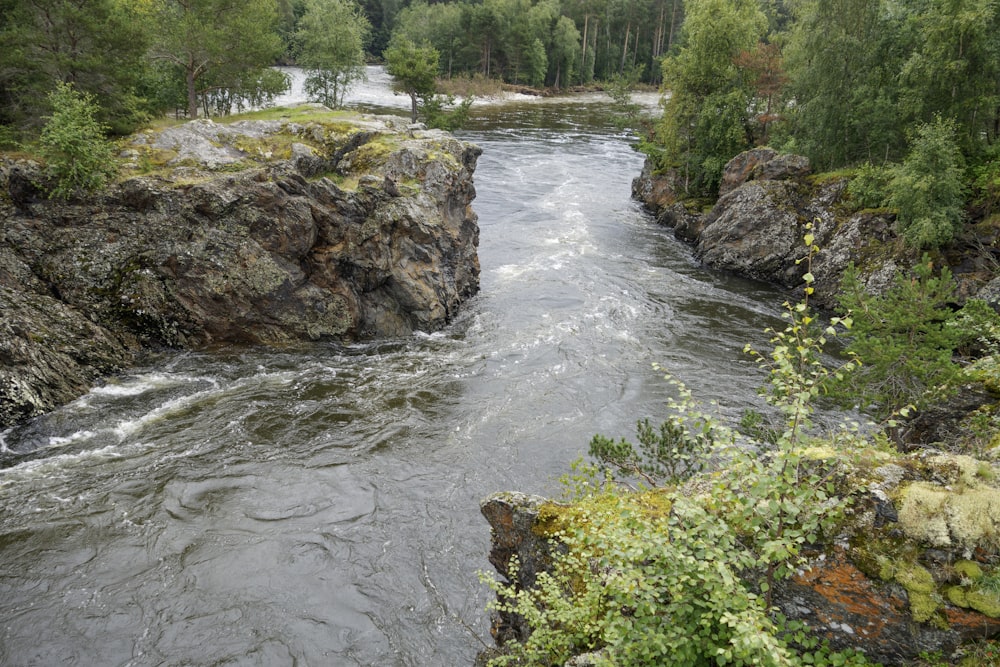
{"x": 314, "y": 226}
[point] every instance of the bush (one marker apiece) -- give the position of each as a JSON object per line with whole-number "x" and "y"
{"x": 905, "y": 339}
{"x": 870, "y": 186}
{"x": 928, "y": 189}
{"x": 667, "y": 454}
{"x": 73, "y": 144}
{"x": 441, "y": 111}
{"x": 986, "y": 184}
{"x": 685, "y": 576}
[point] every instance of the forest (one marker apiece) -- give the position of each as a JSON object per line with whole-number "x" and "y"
{"x": 905, "y": 91}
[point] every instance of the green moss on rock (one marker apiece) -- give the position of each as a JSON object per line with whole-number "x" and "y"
{"x": 968, "y": 569}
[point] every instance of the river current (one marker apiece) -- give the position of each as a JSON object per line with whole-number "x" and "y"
{"x": 318, "y": 504}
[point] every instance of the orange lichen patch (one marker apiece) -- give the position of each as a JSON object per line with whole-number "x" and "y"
{"x": 851, "y": 602}
{"x": 850, "y": 609}
{"x": 971, "y": 625}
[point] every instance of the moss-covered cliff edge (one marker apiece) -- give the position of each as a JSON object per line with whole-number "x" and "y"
{"x": 298, "y": 226}
{"x": 910, "y": 569}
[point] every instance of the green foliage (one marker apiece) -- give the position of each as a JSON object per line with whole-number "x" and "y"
{"x": 905, "y": 339}
{"x": 756, "y": 426}
{"x": 331, "y": 39}
{"x": 73, "y": 144}
{"x": 870, "y": 186}
{"x": 414, "y": 70}
{"x": 928, "y": 189}
{"x": 441, "y": 111}
{"x": 98, "y": 46}
{"x": 986, "y": 186}
{"x": 647, "y": 591}
{"x": 564, "y": 56}
{"x": 690, "y": 581}
{"x": 198, "y": 37}
{"x": 953, "y": 70}
{"x": 797, "y": 373}
{"x": 705, "y": 119}
{"x": 626, "y": 113}
{"x": 977, "y": 330}
{"x": 668, "y": 454}
{"x": 843, "y": 58}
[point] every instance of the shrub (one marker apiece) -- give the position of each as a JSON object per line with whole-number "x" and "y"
{"x": 870, "y": 186}
{"x": 928, "y": 189}
{"x": 685, "y": 576}
{"x": 441, "y": 111}
{"x": 905, "y": 339}
{"x": 73, "y": 144}
{"x": 665, "y": 454}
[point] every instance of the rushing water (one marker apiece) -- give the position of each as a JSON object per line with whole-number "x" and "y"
{"x": 318, "y": 504}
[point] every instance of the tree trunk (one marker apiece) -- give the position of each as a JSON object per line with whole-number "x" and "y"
{"x": 192, "y": 93}
{"x": 673, "y": 19}
{"x": 413, "y": 107}
{"x": 583, "y": 58}
{"x": 628, "y": 31}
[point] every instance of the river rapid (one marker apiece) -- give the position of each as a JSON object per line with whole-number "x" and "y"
{"x": 318, "y": 504}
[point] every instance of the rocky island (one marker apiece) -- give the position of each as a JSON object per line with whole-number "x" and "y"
{"x": 296, "y": 225}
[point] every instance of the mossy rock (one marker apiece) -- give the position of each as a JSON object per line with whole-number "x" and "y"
{"x": 940, "y": 516}
{"x": 968, "y": 569}
{"x": 555, "y": 518}
{"x": 921, "y": 590}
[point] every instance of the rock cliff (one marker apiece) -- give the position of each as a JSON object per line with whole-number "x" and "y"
{"x": 756, "y": 226}
{"x": 311, "y": 226}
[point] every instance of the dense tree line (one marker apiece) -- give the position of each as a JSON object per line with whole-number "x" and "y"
{"x": 906, "y": 90}
{"x": 141, "y": 58}
{"x": 545, "y": 42}
{"x": 910, "y": 87}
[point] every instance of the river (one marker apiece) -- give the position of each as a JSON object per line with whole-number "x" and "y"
{"x": 318, "y": 504}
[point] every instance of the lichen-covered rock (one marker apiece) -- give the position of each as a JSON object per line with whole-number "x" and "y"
{"x": 913, "y": 568}
{"x": 756, "y": 230}
{"x": 762, "y": 164}
{"x": 50, "y": 353}
{"x": 756, "y": 227}
{"x": 656, "y": 191}
{"x": 512, "y": 517}
{"x": 257, "y": 231}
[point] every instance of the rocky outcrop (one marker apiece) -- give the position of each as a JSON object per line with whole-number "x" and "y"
{"x": 302, "y": 228}
{"x": 512, "y": 517}
{"x": 912, "y": 569}
{"x": 756, "y": 227}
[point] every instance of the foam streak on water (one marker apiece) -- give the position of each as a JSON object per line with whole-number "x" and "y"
{"x": 319, "y": 505}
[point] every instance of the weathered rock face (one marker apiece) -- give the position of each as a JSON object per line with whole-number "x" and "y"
{"x": 512, "y": 516}
{"x": 243, "y": 235}
{"x": 756, "y": 227}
